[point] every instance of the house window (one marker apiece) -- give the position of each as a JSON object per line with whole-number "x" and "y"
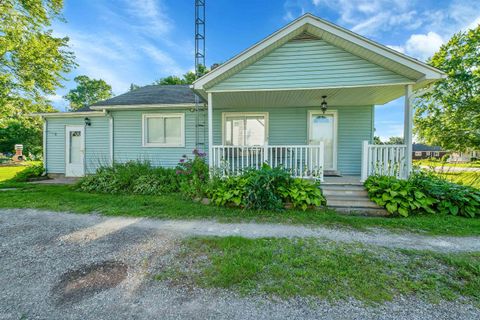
{"x": 418, "y": 153}
{"x": 437, "y": 154}
{"x": 163, "y": 130}
{"x": 245, "y": 129}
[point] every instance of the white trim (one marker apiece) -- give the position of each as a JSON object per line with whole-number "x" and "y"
{"x": 210, "y": 129}
{"x": 244, "y": 114}
{"x": 407, "y": 126}
{"x": 334, "y": 113}
{"x": 70, "y": 114}
{"x": 69, "y": 128}
{"x": 145, "y": 144}
{"x": 44, "y": 144}
{"x": 110, "y": 123}
{"x": 309, "y": 19}
{"x": 314, "y": 88}
{"x": 143, "y": 106}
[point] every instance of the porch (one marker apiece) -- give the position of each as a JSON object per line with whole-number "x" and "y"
{"x": 308, "y": 161}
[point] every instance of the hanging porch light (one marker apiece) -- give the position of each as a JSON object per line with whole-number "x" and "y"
{"x": 324, "y": 105}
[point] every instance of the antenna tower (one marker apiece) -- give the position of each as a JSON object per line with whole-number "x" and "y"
{"x": 200, "y": 109}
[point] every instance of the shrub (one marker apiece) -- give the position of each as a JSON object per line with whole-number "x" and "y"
{"x": 265, "y": 189}
{"x": 302, "y": 194}
{"x": 398, "y": 196}
{"x": 29, "y": 173}
{"x": 131, "y": 177}
{"x": 423, "y": 193}
{"x": 451, "y": 198}
{"x": 193, "y": 175}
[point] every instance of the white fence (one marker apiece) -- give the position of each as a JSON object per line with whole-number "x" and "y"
{"x": 388, "y": 160}
{"x": 302, "y": 161}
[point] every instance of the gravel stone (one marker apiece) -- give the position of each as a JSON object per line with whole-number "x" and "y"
{"x": 42, "y": 252}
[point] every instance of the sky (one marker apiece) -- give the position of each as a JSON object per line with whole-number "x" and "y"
{"x": 139, "y": 41}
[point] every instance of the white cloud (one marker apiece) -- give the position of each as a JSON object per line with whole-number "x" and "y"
{"x": 423, "y": 46}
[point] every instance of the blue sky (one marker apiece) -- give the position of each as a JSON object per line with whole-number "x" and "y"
{"x": 128, "y": 41}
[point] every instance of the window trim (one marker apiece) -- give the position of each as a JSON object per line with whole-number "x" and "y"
{"x": 244, "y": 114}
{"x": 146, "y": 116}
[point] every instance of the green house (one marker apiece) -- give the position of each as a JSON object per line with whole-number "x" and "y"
{"x": 302, "y": 98}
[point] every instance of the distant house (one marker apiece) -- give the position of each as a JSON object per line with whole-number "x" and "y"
{"x": 423, "y": 151}
{"x": 302, "y": 98}
{"x": 464, "y": 156}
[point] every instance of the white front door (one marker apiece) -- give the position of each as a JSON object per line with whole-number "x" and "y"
{"x": 74, "y": 151}
{"x": 323, "y": 127}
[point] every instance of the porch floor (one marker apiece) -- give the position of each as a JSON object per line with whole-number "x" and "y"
{"x": 347, "y": 180}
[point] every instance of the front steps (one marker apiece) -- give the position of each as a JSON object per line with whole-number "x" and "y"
{"x": 350, "y": 197}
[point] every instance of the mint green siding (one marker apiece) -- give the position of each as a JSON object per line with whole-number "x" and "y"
{"x": 128, "y": 138}
{"x": 288, "y": 126}
{"x": 309, "y": 64}
{"x": 96, "y": 143}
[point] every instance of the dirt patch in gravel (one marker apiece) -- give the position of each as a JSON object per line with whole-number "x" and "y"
{"x": 88, "y": 280}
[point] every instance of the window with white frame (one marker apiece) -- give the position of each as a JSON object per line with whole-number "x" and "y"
{"x": 163, "y": 130}
{"x": 245, "y": 129}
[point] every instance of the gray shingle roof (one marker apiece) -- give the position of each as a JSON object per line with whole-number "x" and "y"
{"x": 424, "y": 147}
{"x": 153, "y": 94}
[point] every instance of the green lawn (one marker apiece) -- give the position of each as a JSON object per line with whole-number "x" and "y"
{"x": 64, "y": 198}
{"x": 9, "y": 172}
{"x": 432, "y": 163}
{"x": 308, "y": 267}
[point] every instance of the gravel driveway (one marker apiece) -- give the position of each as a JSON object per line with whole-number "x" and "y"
{"x": 69, "y": 266}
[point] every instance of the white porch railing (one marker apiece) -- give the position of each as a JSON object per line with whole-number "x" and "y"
{"x": 388, "y": 160}
{"x": 302, "y": 161}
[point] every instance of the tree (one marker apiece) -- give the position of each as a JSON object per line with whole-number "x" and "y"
{"x": 87, "y": 92}
{"x": 394, "y": 140}
{"x": 449, "y": 114}
{"x": 187, "y": 78}
{"x": 32, "y": 62}
{"x": 376, "y": 140}
{"x": 134, "y": 86}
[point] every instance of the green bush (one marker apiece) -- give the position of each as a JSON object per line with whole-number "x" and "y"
{"x": 302, "y": 194}
{"x": 29, "y": 173}
{"x": 451, "y": 198}
{"x": 398, "y": 196}
{"x": 193, "y": 175}
{"x": 131, "y": 177}
{"x": 423, "y": 193}
{"x": 265, "y": 189}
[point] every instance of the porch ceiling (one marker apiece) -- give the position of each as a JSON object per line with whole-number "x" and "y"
{"x": 371, "y": 95}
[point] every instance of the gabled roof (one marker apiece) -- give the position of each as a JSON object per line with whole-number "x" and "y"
{"x": 309, "y": 25}
{"x": 150, "y": 95}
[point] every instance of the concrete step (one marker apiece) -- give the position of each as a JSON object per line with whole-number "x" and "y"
{"x": 372, "y": 212}
{"x": 350, "y": 193}
{"x": 336, "y": 201}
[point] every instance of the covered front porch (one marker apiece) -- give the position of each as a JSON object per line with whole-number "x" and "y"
{"x": 247, "y": 130}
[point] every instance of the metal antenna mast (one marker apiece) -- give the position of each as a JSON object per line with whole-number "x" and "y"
{"x": 200, "y": 113}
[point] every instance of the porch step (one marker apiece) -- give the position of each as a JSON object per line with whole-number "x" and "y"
{"x": 350, "y": 198}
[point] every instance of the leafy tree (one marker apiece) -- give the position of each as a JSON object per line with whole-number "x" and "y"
{"x": 376, "y": 140}
{"x": 449, "y": 114}
{"x": 134, "y": 86}
{"x": 394, "y": 140}
{"x": 187, "y": 78}
{"x": 87, "y": 92}
{"x": 32, "y": 62}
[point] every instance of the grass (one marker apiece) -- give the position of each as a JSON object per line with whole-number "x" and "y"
{"x": 465, "y": 178}
{"x": 65, "y": 198}
{"x": 433, "y": 163}
{"x": 8, "y": 172}
{"x": 307, "y": 267}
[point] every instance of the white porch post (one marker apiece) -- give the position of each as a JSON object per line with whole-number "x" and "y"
{"x": 364, "y": 172}
{"x": 210, "y": 130}
{"x": 407, "y": 128}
